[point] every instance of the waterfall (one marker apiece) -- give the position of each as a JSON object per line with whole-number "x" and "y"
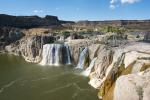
{"x": 82, "y": 59}
{"x": 55, "y": 54}
{"x": 88, "y": 70}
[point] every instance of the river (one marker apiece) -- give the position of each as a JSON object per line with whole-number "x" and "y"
{"x": 20, "y": 80}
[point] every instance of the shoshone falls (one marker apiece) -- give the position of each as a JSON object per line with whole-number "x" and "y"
{"x": 114, "y": 62}
{"x": 59, "y": 55}
{"x": 62, "y": 70}
{"x": 74, "y": 63}
{"x": 56, "y": 54}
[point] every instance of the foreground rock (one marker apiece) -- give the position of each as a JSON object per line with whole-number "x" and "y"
{"x": 114, "y": 62}
{"x": 133, "y": 87}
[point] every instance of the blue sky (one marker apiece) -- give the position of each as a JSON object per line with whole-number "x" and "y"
{"x": 79, "y": 9}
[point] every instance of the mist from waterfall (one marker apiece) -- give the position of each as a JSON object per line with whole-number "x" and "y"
{"x": 56, "y": 54}
{"x": 82, "y": 59}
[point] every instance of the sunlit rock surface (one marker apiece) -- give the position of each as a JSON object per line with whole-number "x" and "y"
{"x": 133, "y": 87}
{"x": 76, "y": 47}
{"x": 114, "y": 62}
{"x": 29, "y": 47}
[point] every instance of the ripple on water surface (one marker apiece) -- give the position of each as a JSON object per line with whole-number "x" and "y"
{"x": 20, "y": 80}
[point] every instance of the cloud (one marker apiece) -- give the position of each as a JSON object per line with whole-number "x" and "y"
{"x": 112, "y": 6}
{"x": 116, "y": 3}
{"x": 38, "y": 11}
{"x": 113, "y": 1}
{"x": 129, "y": 1}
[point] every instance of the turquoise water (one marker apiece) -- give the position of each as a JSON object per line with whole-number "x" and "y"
{"x": 20, "y": 80}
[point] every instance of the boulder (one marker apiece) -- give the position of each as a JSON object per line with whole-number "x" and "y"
{"x": 133, "y": 87}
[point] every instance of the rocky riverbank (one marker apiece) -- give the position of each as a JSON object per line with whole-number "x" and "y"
{"x": 116, "y": 58}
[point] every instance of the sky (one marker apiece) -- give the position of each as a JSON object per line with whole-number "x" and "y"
{"x": 75, "y": 10}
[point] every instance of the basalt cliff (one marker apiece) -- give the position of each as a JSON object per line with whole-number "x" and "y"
{"x": 28, "y": 21}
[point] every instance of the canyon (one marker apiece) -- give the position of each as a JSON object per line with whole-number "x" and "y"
{"x": 118, "y": 66}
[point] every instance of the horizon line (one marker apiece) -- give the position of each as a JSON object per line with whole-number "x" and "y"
{"x": 76, "y": 20}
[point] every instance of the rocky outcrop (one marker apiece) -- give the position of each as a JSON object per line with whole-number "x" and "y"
{"x": 103, "y": 41}
{"x": 133, "y": 86}
{"x": 76, "y": 47}
{"x": 112, "y": 39}
{"x": 28, "y": 21}
{"x": 9, "y": 35}
{"x": 104, "y": 59}
{"x": 30, "y": 47}
{"x": 113, "y": 62}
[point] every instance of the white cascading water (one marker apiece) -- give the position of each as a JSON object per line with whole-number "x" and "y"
{"x": 56, "y": 54}
{"x": 82, "y": 59}
{"x": 89, "y": 69}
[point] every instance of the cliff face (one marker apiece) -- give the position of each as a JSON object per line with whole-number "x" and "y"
{"x": 99, "y": 23}
{"x": 35, "y": 21}
{"x": 116, "y": 63}
{"x": 9, "y": 35}
{"x": 28, "y": 21}
{"x": 29, "y": 47}
{"x": 142, "y": 25}
{"x": 125, "y": 60}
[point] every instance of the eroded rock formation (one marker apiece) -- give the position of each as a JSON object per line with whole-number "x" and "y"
{"x": 30, "y": 47}
{"x": 133, "y": 86}
{"x": 125, "y": 60}
{"x": 9, "y": 35}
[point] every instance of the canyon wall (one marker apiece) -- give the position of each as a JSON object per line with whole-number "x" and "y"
{"x": 49, "y": 21}
{"x": 28, "y": 21}
{"x": 137, "y": 25}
